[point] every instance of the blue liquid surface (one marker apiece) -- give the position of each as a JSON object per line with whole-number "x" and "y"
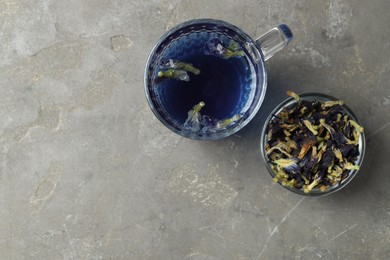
{"x": 218, "y": 86}
{"x": 224, "y": 85}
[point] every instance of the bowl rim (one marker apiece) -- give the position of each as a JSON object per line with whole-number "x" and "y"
{"x": 321, "y": 97}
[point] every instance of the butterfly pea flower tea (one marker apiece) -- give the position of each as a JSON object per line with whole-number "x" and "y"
{"x": 206, "y": 79}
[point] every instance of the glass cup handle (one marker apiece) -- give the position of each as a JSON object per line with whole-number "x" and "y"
{"x": 274, "y": 40}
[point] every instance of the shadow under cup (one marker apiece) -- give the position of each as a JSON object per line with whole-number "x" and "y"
{"x": 228, "y": 87}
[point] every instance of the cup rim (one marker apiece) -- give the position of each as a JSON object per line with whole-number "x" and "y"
{"x": 321, "y": 97}
{"x": 229, "y": 131}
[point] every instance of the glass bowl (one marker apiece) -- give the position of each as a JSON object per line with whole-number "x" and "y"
{"x": 310, "y": 97}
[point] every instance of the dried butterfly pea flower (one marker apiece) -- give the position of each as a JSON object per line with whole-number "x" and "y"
{"x": 307, "y": 145}
{"x": 280, "y": 150}
{"x": 174, "y": 74}
{"x": 312, "y": 144}
{"x": 193, "y": 119}
{"x": 338, "y": 154}
{"x": 309, "y": 187}
{"x": 293, "y": 95}
{"x": 176, "y": 64}
{"x": 175, "y": 69}
{"x": 332, "y": 103}
{"x": 288, "y": 164}
{"x": 225, "y": 122}
{"x": 216, "y": 47}
{"x": 311, "y": 127}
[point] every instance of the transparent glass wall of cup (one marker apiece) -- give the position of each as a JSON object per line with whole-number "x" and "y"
{"x": 257, "y": 51}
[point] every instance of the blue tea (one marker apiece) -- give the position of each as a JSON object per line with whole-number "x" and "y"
{"x": 205, "y": 79}
{"x": 204, "y": 82}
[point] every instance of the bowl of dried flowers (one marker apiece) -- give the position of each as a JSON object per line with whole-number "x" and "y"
{"x": 312, "y": 144}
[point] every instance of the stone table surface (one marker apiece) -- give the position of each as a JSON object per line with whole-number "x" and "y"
{"x": 87, "y": 171}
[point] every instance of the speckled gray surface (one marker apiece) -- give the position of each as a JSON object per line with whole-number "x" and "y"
{"x": 87, "y": 172}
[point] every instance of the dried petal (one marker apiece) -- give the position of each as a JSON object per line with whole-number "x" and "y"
{"x": 332, "y": 103}
{"x": 293, "y": 95}
{"x": 306, "y": 147}
{"x": 216, "y": 47}
{"x": 350, "y": 166}
{"x": 226, "y": 122}
{"x": 280, "y": 150}
{"x": 192, "y": 122}
{"x": 328, "y": 127}
{"x": 314, "y": 152}
{"x": 287, "y": 164}
{"x": 338, "y": 154}
{"x": 174, "y": 74}
{"x": 176, "y": 64}
{"x": 309, "y": 187}
{"x": 310, "y": 127}
{"x": 327, "y": 158}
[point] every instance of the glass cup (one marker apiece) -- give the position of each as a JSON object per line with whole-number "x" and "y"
{"x": 168, "y": 101}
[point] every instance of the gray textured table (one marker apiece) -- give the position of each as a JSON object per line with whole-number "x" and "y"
{"x": 87, "y": 171}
